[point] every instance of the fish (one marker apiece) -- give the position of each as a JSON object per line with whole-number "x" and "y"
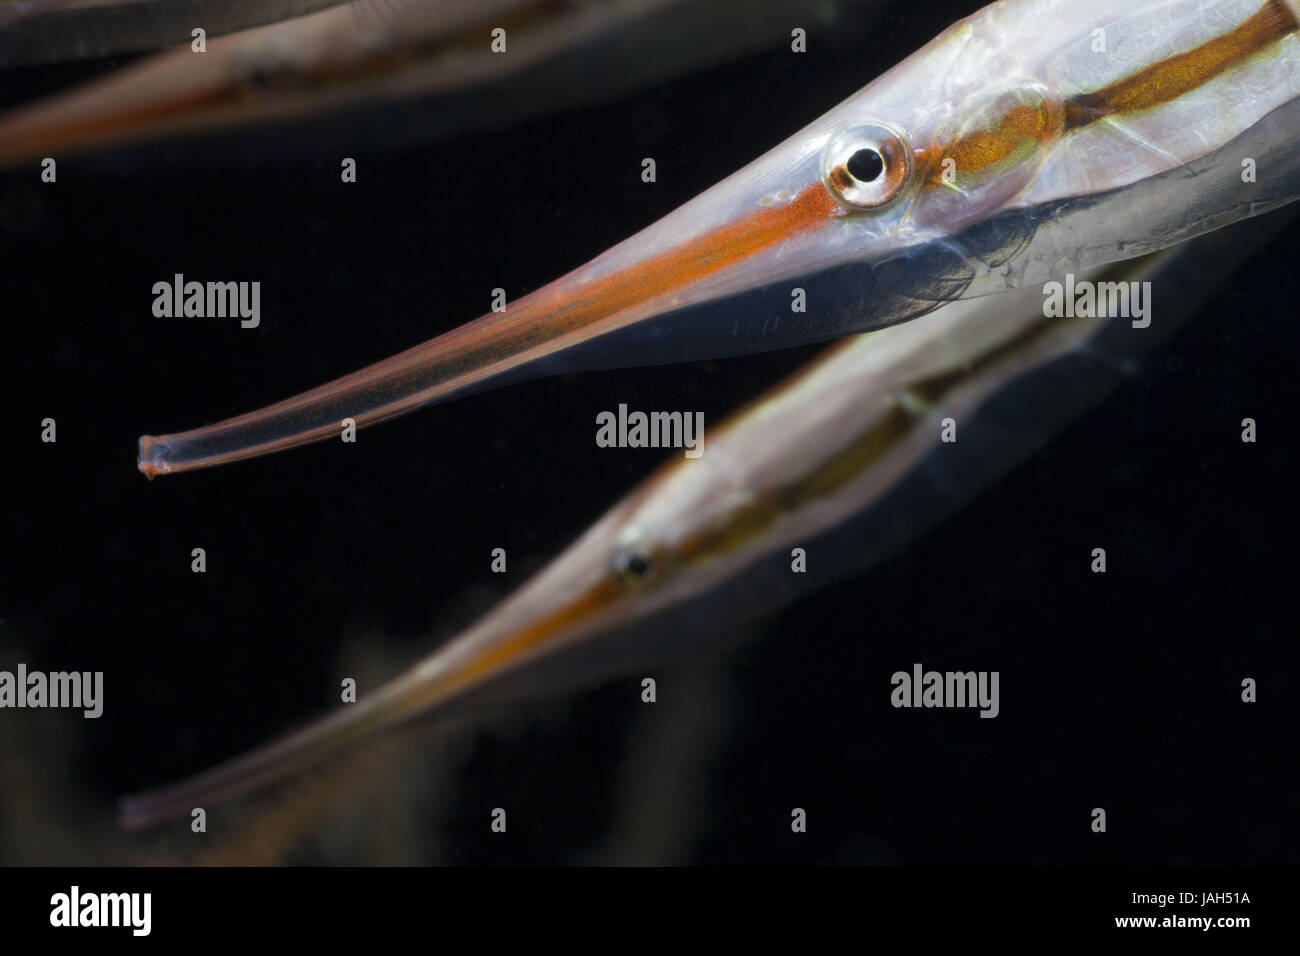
{"x": 846, "y": 461}
{"x": 52, "y": 31}
{"x": 1027, "y": 140}
{"x": 340, "y": 73}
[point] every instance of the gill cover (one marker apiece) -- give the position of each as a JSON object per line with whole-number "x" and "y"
{"x": 983, "y": 152}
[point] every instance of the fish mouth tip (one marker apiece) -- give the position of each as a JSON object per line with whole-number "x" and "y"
{"x": 152, "y": 456}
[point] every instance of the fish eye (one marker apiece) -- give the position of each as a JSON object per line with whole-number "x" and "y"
{"x": 634, "y": 566}
{"x": 867, "y": 166}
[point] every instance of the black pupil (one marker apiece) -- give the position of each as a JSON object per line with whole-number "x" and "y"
{"x": 865, "y": 165}
{"x": 635, "y": 565}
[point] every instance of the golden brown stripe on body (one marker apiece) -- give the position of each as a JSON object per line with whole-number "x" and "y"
{"x": 1178, "y": 75}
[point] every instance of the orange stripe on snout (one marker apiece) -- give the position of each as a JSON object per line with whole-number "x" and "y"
{"x": 691, "y": 261}
{"x": 1177, "y": 75}
{"x": 572, "y": 310}
{"x": 566, "y": 305}
{"x": 556, "y": 624}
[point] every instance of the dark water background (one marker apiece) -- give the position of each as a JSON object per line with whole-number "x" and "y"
{"x": 1119, "y": 691}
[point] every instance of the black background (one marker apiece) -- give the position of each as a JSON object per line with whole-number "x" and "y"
{"x": 1120, "y": 691}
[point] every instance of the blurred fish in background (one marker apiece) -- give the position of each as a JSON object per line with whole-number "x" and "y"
{"x": 340, "y": 64}
{"x": 53, "y": 31}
